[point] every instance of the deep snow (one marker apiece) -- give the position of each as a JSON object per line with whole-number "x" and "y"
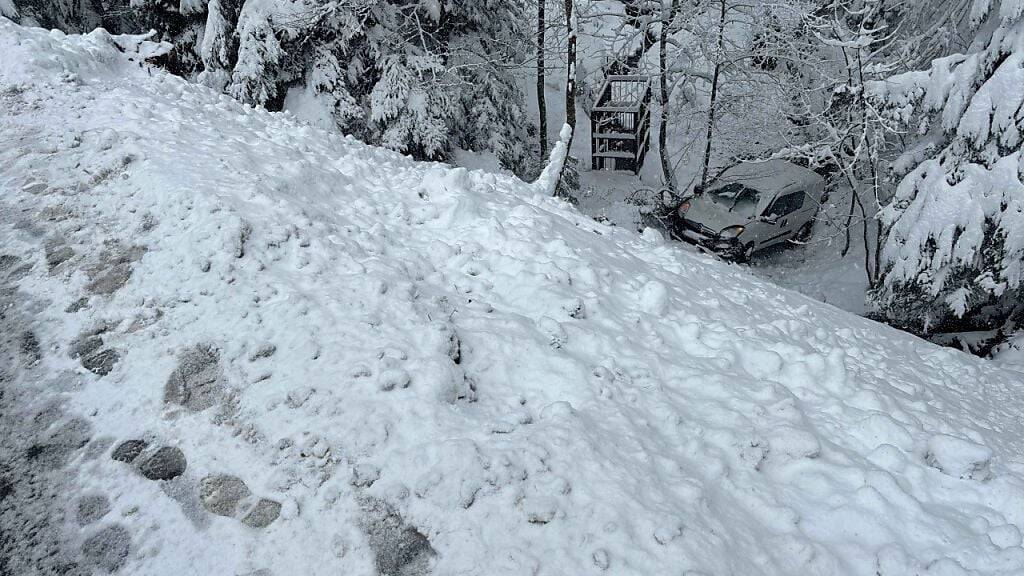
{"x": 371, "y": 364}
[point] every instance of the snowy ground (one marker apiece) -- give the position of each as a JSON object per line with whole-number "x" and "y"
{"x": 235, "y": 344}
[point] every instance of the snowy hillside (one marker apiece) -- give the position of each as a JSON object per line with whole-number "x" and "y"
{"x": 234, "y": 344}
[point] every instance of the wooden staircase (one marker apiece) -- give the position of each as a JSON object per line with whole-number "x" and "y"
{"x": 620, "y": 124}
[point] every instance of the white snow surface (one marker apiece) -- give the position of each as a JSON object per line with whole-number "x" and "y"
{"x": 619, "y": 405}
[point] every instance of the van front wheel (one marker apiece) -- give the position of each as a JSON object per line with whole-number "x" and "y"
{"x": 744, "y": 253}
{"x": 804, "y": 233}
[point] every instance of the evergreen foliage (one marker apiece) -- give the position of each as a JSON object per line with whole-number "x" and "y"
{"x": 954, "y": 255}
{"x": 419, "y": 77}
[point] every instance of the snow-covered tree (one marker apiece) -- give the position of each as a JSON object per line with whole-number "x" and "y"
{"x": 838, "y": 50}
{"x": 69, "y": 15}
{"x": 954, "y": 255}
{"x": 422, "y": 77}
{"x": 8, "y": 9}
{"x": 176, "y": 21}
{"x": 727, "y": 93}
{"x": 254, "y": 79}
{"x": 219, "y": 48}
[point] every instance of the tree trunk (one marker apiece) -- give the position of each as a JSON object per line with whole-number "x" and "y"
{"x": 847, "y": 225}
{"x": 709, "y": 132}
{"x": 867, "y": 249}
{"x": 666, "y": 165}
{"x": 570, "y": 62}
{"x": 570, "y": 82}
{"x": 636, "y": 16}
{"x": 542, "y": 108}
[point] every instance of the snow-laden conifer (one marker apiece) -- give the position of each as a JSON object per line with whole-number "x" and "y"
{"x": 954, "y": 254}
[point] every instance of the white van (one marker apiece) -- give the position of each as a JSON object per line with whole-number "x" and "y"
{"x": 749, "y": 207}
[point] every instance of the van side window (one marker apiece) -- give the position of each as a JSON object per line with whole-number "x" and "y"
{"x": 785, "y": 205}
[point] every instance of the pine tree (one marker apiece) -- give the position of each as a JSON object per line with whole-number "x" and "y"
{"x": 254, "y": 79}
{"x": 72, "y": 16}
{"x": 419, "y": 77}
{"x": 954, "y": 256}
{"x": 8, "y": 9}
{"x": 219, "y": 49}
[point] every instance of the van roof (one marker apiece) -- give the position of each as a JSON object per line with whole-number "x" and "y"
{"x": 770, "y": 176}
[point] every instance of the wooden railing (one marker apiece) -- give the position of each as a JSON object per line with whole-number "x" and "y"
{"x": 620, "y": 124}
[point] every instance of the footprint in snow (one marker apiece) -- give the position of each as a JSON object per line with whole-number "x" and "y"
{"x": 88, "y": 349}
{"x": 554, "y": 332}
{"x": 107, "y": 548}
{"x": 229, "y": 496}
{"x": 196, "y": 383}
{"x": 91, "y": 508}
{"x": 163, "y": 463}
{"x": 399, "y": 548}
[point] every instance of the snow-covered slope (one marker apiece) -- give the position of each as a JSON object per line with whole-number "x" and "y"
{"x": 407, "y": 368}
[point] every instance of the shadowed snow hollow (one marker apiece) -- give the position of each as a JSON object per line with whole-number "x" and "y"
{"x": 234, "y": 344}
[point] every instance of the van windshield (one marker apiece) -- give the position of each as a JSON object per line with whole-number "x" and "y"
{"x": 736, "y": 198}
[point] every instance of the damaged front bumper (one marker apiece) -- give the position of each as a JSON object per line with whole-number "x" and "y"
{"x": 706, "y": 238}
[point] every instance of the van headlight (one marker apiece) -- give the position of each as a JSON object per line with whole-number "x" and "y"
{"x": 731, "y": 232}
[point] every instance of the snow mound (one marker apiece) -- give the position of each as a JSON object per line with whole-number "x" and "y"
{"x": 236, "y": 344}
{"x": 958, "y": 457}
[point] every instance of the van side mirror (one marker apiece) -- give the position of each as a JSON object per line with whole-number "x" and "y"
{"x": 697, "y": 190}
{"x": 769, "y": 219}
